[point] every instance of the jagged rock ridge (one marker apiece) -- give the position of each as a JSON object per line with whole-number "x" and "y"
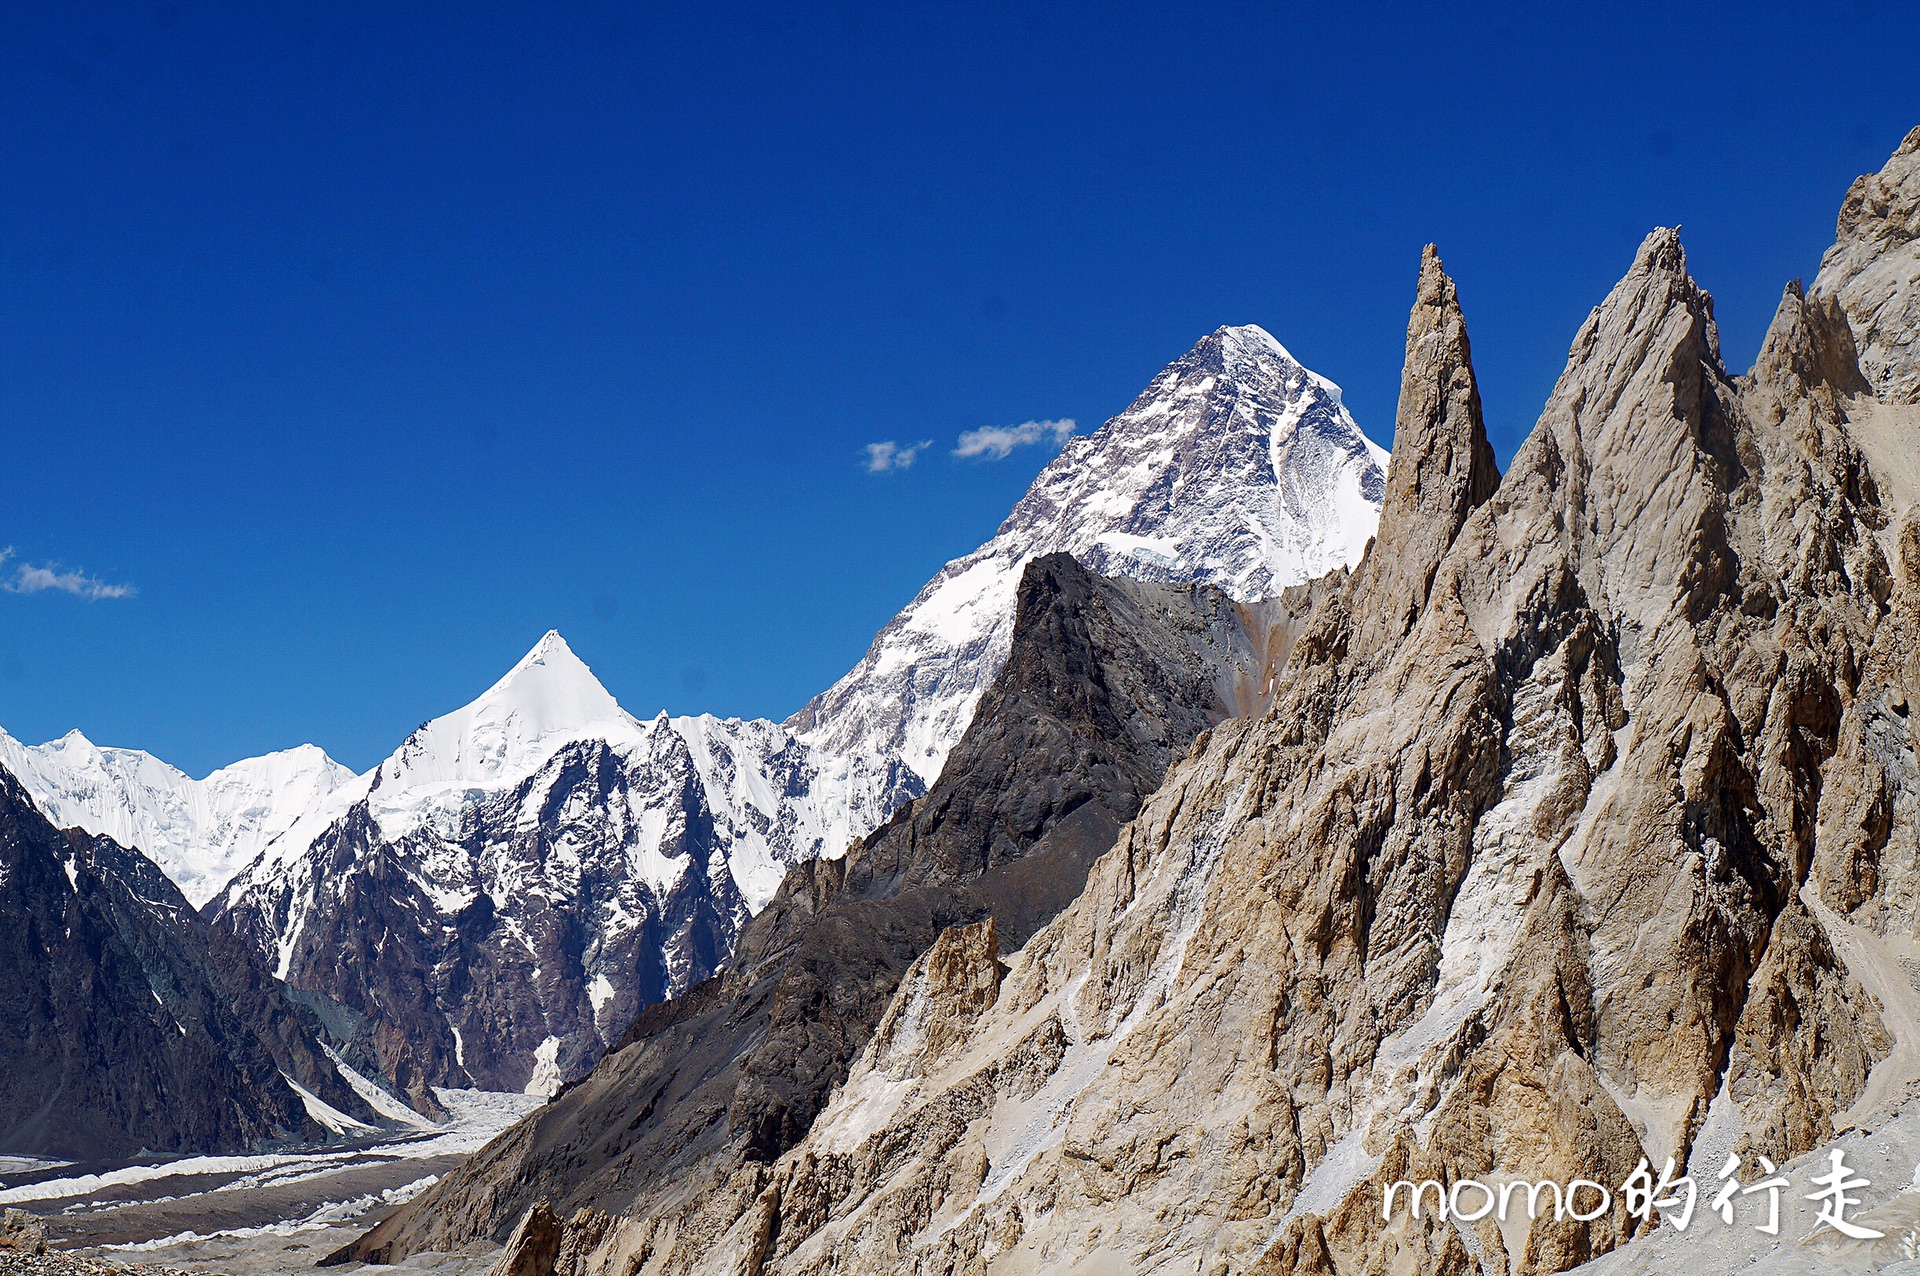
{"x": 1871, "y": 268}
{"x": 1580, "y": 831}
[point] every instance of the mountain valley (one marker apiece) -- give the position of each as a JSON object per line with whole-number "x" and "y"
{"x": 1259, "y": 820}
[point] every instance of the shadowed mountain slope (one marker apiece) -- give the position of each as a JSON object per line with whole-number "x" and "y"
{"x": 127, "y": 1023}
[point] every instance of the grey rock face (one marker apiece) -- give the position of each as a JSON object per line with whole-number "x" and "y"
{"x": 1106, "y": 683}
{"x": 127, "y": 1022}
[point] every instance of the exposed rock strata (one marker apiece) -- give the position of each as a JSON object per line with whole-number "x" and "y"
{"x": 534, "y": 1245}
{"x": 1105, "y": 684}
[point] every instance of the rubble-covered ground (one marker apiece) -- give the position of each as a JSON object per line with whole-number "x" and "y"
{"x": 245, "y": 1215}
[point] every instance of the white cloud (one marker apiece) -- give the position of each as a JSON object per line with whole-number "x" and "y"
{"x": 889, "y": 455}
{"x": 998, "y": 441}
{"x": 29, "y": 579}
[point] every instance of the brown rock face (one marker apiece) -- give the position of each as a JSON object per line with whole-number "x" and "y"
{"x": 1580, "y": 830}
{"x": 22, "y": 1233}
{"x": 534, "y": 1245}
{"x": 1873, "y": 271}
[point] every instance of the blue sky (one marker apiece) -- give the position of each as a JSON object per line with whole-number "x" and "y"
{"x": 364, "y": 346}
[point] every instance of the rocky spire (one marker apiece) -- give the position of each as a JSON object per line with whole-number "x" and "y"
{"x": 1809, "y": 345}
{"x": 1873, "y": 269}
{"x": 1633, "y": 455}
{"x": 1442, "y": 464}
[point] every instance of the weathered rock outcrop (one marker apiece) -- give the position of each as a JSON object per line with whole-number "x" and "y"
{"x": 1579, "y": 832}
{"x": 1873, "y": 268}
{"x": 534, "y": 1245}
{"x": 22, "y": 1232}
{"x": 127, "y": 1022}
{"x": 1105, "y": 684}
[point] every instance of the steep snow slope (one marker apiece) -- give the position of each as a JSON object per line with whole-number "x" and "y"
{"x": 1236, "y": 467}
{"x": 200, "y": 832}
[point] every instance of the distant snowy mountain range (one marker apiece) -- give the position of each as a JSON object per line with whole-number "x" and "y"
{"x": 201, "y": 832}
{"x": 494, "y": 902}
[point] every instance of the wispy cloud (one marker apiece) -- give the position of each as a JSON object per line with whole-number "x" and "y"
{"x": 26, "y": 578}
{"x": 889, "y": 455}
{"x": 998, "y": 441}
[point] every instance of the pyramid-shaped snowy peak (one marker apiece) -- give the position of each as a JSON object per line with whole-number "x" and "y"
{"x": 1237, "y": 467}
{"x": 549, "y": 698}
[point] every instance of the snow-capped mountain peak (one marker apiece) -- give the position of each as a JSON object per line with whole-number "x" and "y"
{"x": 552, "y": 674}
{"x": 1237, "y": 466}
{"x": 575, "y": 863}
{"x": 1245, "y": 346}
{"x": 547, "y": 698}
